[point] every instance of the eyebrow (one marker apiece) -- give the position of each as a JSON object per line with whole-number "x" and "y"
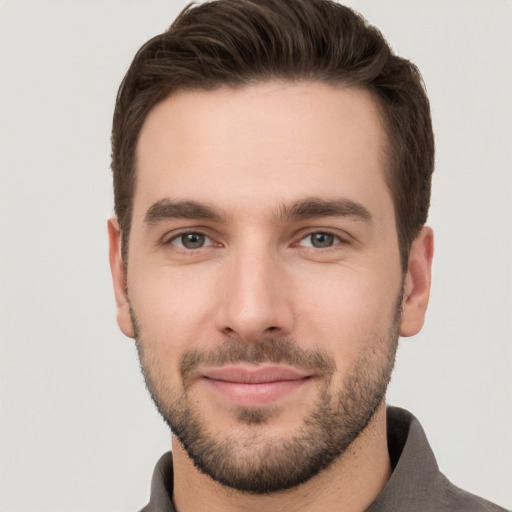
{"x": 300, "y": 210}
{"x": 170, "y": 209}
{"x": 319, "y": 207}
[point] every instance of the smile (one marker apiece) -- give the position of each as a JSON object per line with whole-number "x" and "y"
{"x": 252, "y": 387}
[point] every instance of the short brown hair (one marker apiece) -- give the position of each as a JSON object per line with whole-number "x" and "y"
{"x": 239, "y": 42}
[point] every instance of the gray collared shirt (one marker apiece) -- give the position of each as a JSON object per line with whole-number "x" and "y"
{"x": 416, "y": 484}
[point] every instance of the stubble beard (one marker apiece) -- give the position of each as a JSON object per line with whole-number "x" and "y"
{"x": 246, "y": 459}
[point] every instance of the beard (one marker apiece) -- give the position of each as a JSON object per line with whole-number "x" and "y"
{"x": 248, "y": 458}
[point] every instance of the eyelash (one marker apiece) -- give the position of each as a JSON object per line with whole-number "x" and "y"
{"x": 177, "y": 236}
{"x": 337, "y": 240}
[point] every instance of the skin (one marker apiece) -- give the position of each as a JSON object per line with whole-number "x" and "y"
{"x": 249, "y": 154}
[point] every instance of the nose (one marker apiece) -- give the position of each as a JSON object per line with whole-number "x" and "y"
{"x": 255, "y": 300}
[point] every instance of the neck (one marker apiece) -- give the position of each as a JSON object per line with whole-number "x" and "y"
{"x": 351, "y": 483}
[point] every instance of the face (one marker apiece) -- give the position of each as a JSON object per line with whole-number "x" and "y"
{"x": 264, "y": 285}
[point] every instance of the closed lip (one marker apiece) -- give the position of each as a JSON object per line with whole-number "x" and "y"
{"x": 253, "y": 375}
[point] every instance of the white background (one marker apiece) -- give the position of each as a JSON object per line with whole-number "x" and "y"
{"x": 78, "y": 432}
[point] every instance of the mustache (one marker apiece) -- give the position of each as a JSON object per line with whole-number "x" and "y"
{"x": 272, "y": 350}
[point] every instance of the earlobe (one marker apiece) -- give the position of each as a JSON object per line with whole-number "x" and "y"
{"x": 417, "y": 283}
{"x": 119, "y": 278}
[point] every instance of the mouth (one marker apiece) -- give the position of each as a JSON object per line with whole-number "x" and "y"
{"x": 254, "y": 386}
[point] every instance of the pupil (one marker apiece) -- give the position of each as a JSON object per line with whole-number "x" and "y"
{"x": 322, "y": 240}
{"x": 192, "y": 240}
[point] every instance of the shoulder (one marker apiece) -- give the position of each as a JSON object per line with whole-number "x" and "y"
{"x": 416, "y": 482}
{"x": 455, "y": 499}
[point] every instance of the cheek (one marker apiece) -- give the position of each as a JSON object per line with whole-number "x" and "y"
{"x": 173, "y": 306}
{"x": 345, "y": 309}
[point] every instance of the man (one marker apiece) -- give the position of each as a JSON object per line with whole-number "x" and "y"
{"x": 272, "y": 164}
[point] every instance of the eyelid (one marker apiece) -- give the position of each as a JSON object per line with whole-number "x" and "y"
{"x": 169, "y": 238}
{"x": 343, "y": 237}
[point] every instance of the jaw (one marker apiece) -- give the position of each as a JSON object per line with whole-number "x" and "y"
{"x": 360, "y": 474}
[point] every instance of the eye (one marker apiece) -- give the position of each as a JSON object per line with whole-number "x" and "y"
{"x": 320, "y": 240}
{"x": 191, "y": 240}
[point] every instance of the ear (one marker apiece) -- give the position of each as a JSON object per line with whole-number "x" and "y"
{"x": 118, "y": 270}
{"x": 417, "y": 283}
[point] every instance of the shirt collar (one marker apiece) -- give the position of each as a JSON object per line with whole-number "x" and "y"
{"x": 414, "y": 479}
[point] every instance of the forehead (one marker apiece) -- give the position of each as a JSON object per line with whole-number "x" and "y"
{"x": 260, "y": 144}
